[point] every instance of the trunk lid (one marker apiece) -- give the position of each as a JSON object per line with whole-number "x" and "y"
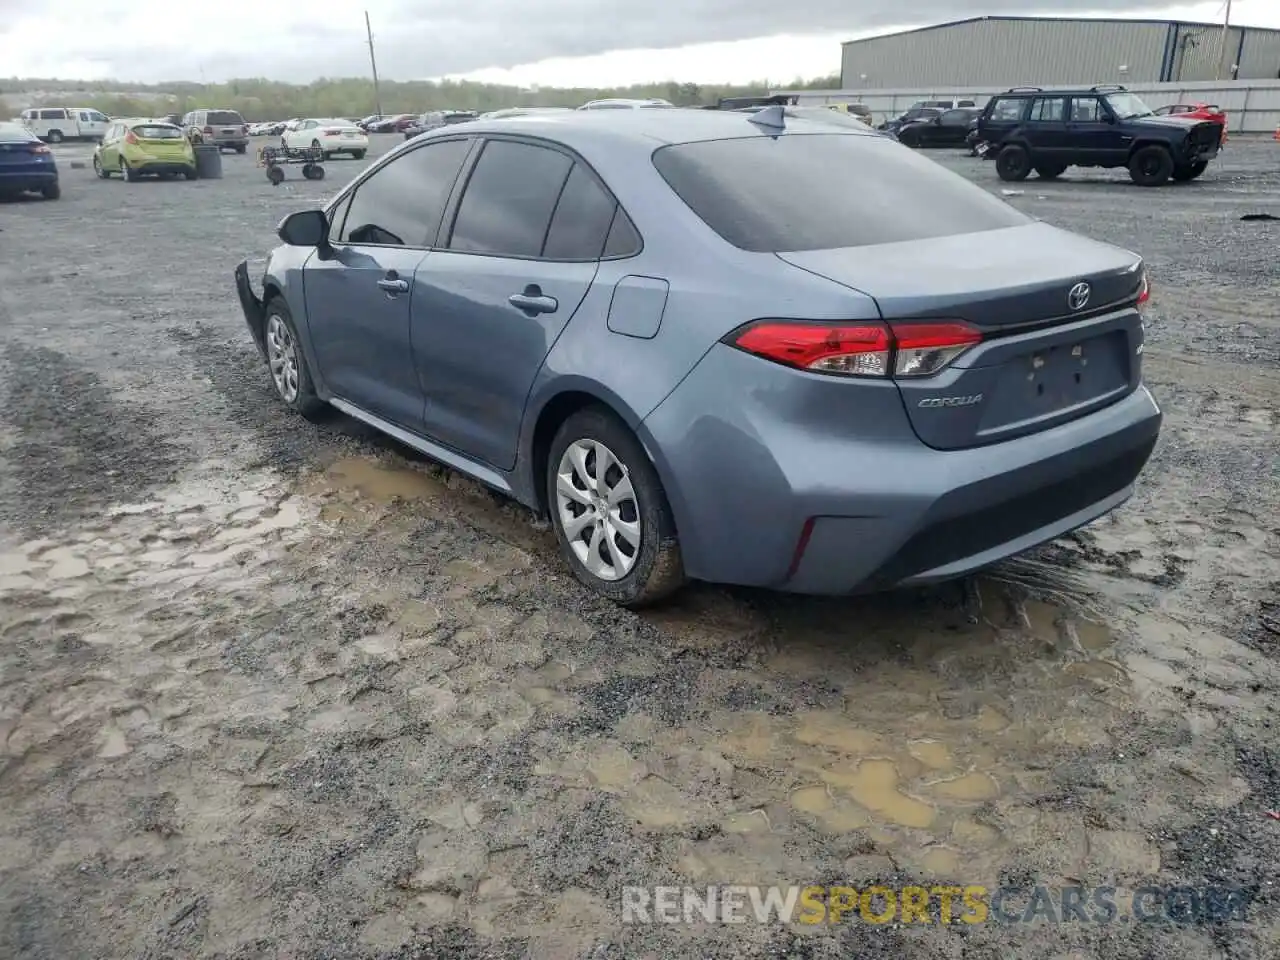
{"x": 18, "y": 157}
{"x": 1044, "y": 359}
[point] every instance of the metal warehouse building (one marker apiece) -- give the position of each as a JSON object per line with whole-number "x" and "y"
{"x": 1013, "y": 51}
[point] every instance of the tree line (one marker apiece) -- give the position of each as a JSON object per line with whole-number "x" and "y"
{"x": 260, "y": 99}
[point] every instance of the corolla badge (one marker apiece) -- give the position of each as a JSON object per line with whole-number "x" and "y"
{"x": 1078, "y": 296}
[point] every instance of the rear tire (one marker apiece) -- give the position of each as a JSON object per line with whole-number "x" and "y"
{"x": 241, "y": 148}
{"x": 51, "y": 192}
{"x": 1190, "y": 171}
{"x": 190, "y": 174}
{"x": 1013, "y": 164}
{"x": 630, "y": 574}
{"x": 127, "y": 172}
{"x": 287, "y": 363}
{"x": 357, "y": 154}
{"x": 1050, "y": 171}
{"x": 98, "y": 169}
{"x": 1151, "y": 166}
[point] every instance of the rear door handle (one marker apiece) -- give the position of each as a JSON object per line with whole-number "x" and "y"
{"x": 532, "y": 302}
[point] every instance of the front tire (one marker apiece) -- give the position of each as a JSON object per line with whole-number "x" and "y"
{"x": 1151, "y": 166}
{"x": 1013, "y": 164}
{"x": 286, "y": 362}
{"x": 1190, "y": 171}
{"x": 609, "y": 512}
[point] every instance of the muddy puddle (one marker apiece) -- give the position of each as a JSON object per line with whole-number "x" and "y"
{"x": 237, "y": 651}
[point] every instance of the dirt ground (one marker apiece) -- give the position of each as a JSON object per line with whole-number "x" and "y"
{"x": 269, "y": 689}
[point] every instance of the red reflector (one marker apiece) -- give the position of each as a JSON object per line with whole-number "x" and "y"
{"x": 802, "y": 544}
{"x": 861, "y": 349}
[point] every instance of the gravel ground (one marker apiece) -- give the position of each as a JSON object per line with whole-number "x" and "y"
{"x": 270, "y": 689}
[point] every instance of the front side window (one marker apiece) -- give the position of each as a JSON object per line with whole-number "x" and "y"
{"x": 1049, "y": 110}
{"x": 401, "y": 204}
{"x": 510, "y": 196}
{"x": 732, "y": 185}
{"x": 1087, "y": 110}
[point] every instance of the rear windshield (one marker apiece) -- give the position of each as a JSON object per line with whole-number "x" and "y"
{"x": 821, "y": 191}
{"x": 157, "y": 131}
{"x": 224, "y": 116}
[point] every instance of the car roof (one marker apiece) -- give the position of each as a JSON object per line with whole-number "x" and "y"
{"x": 648, "y": 128}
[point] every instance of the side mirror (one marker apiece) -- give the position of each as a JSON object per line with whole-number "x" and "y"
{"x": 305, "y": 228}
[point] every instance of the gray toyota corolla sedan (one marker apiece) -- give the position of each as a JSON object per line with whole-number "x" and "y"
{"x": 751, "y": 349}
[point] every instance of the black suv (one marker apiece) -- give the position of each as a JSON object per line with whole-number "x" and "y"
{"x": 1106, "y": 126}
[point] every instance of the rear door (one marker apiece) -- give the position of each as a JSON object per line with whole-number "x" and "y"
{"x": 359, "y": 299}
{"x": 524, "y": 248}
{"x": 1046, "y": 127}
{"x": 1003, "y": 115}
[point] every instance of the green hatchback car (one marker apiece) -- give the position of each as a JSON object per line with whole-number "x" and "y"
{"x": 136, "y": 148}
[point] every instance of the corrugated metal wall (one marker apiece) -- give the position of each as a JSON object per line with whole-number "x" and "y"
{"x": 1196, "y": 52}
{"x": 1260, "y": 58}
{"x": 1008, "y": 53}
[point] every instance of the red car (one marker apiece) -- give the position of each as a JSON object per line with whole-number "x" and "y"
{"x": 1197, "y": 111}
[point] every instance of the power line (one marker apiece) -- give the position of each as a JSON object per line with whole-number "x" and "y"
{"x": 377, "y": 97}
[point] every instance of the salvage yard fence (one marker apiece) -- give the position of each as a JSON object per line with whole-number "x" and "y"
{"x": 1252, "y": 106}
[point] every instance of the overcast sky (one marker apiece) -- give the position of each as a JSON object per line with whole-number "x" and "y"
{"x": 548, "y": 42}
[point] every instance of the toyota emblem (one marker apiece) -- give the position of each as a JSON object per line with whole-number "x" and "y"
{"x": 1078, "y": 296}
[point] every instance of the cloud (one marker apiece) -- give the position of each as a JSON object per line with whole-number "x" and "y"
{"x": 425, "y": 38}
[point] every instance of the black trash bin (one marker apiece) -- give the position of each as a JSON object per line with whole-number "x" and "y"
{"x": 208, "y": 161}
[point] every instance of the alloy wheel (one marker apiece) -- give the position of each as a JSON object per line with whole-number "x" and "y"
{"x": 282, "y": 357}
{"x": 597, "y": 508}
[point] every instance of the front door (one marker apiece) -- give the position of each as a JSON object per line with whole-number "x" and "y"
{"x": 522, "y": 254}
{"x": 1095, "y": 132}
{"x": 359, "y": 299}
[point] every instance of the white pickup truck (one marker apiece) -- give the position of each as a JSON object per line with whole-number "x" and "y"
{"x": 56, "y": 124}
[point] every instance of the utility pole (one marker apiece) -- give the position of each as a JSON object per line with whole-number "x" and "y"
{"x": 377, "y": 97}
{"x": 1222, "y": 40}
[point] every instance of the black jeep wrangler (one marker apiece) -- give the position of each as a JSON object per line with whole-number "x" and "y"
{"x": 1105, "y": 126}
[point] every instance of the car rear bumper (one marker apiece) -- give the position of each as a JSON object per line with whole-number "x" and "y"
{"x": 813, "y": 484}
{"x": 145, "y": 165}
{"x": 234, "y": 142}
{"x": 28, "y": 179}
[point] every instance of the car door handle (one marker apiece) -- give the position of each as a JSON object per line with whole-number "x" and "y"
{"x": 393, "y": 284}
{"x": 532, "y": 302}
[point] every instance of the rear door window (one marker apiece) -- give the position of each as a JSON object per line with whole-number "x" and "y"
{"x": 580, "y": 224}
{"x": 401, "y": 204}
{"x": 732, "y": 185}
{"x": 1048, "y": 110}
{"x": 510, "y": 196}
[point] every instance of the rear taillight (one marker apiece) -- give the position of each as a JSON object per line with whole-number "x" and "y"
{"x": 39, "y": 148}
{"x": 922, "y": 349}
{"x": 1144, "y": 291}
{"x": 131, "y": 137}
{"x": 331, "y": 133}
{"x": 869, "y": 349}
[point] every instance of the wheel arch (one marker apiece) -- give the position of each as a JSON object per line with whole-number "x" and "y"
{"x": 544, "y": 417}
{"x": 1151, "y": 142}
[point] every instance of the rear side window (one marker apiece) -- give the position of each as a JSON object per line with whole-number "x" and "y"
{"x": 580, "y": 224}
{"x": 400, "y": 205}
{"x": 1007, "y": 109}
{"x": 224, "y": 116}
{"x": 792, "y": 193}
{"x": 511, "y": 194}
{"x": 1048, "y": 110}
{"x": 53, "y": 114}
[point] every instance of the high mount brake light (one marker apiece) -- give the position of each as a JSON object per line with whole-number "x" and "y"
{"x": 870, "y": 349}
